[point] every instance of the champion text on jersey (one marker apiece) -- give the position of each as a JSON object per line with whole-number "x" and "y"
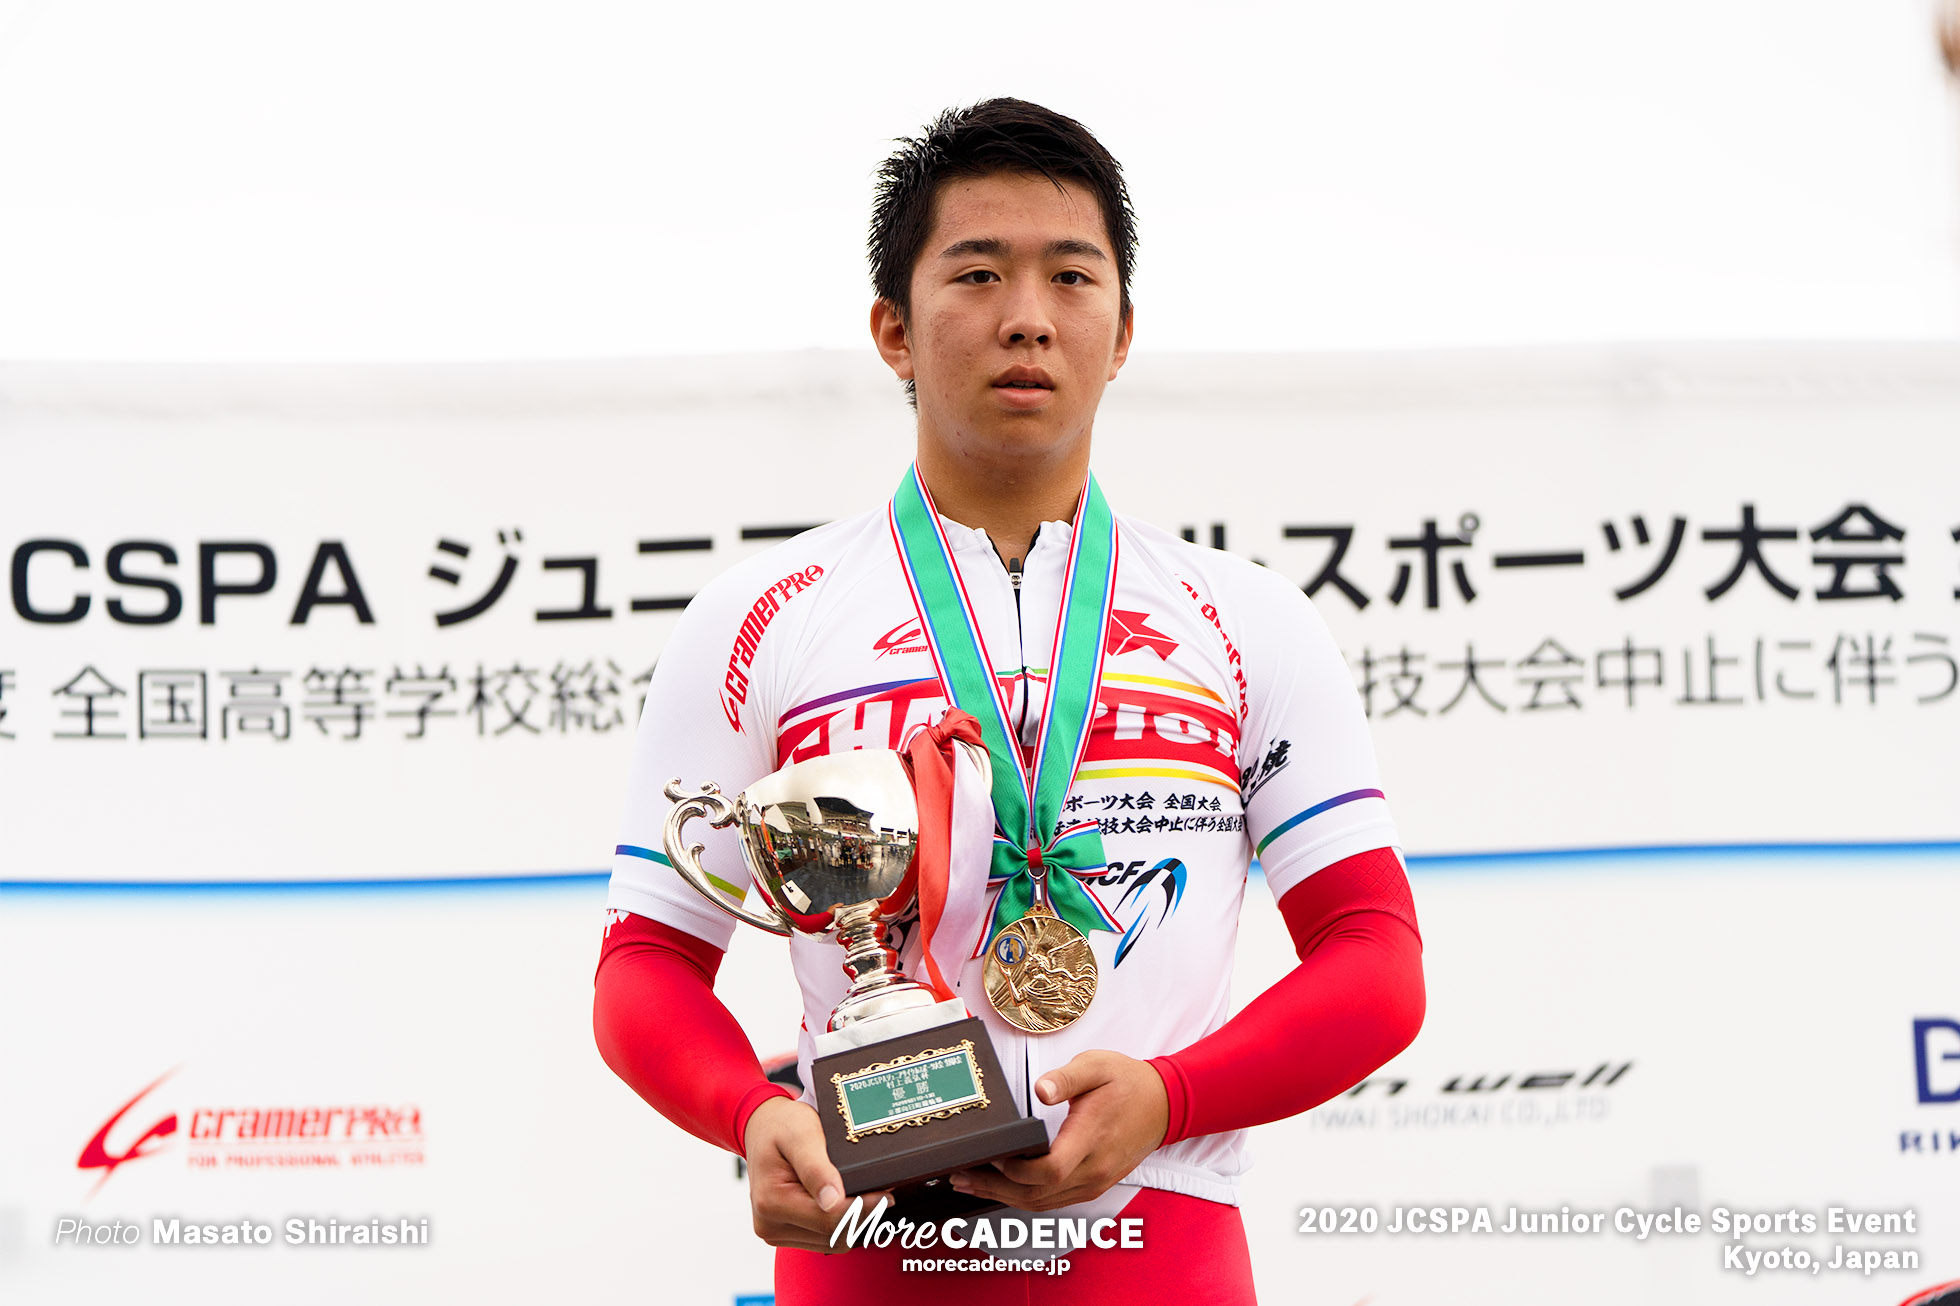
{"x": 1143, "y": 727}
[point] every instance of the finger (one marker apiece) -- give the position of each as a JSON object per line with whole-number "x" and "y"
{"x": 1029, "y": 1197}
{"x": 1064, "y": 1155}
{"x": 1082, "y": 1180}
{"x": 787, "y": 1214}
{"x": 807, "y": 1156}
{"x": 780, "y": 1203}
{"x": 995, "y": 1187}
{"x": 1081, "y": 1074}
{"x": 886, "y": 1196}
{"x": 790, "y": 1211}
{"x": 1063, "y": 1158}
{"x": 800, "y": 1239}
{"x": 859, "y": 1212}
{"x": 859, "y": 1208}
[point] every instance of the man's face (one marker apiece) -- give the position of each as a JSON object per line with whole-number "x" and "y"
{"x": 1015, "y": 325}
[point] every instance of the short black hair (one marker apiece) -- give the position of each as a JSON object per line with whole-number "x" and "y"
{"x": 999, "y": 135}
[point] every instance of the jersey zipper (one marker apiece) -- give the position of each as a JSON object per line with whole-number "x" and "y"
{"x": 1020, "y": 732}
{"x": 1020, "y": 645}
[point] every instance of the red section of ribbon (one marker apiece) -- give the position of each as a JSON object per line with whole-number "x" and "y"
{"x": 930, "y": 757}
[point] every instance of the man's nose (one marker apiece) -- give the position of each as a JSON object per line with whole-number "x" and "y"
{"x": 1026, "y": 318}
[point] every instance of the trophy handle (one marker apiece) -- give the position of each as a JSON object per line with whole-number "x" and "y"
{"x": 686, "y": 858}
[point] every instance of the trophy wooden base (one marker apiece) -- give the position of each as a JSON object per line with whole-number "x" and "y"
{"x": 903, "y": 1113}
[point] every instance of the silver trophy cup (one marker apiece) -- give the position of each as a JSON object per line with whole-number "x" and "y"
{"x": 830, "y": 843}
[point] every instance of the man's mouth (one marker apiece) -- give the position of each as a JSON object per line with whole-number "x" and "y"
{"x": 1024, "y": 379}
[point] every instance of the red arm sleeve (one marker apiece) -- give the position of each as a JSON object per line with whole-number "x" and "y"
{"x": 661, "y": 1028}
{"x": 1355, "y": 1000}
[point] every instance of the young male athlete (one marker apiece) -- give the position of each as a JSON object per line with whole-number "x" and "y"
{"x": 1157, "y": 712}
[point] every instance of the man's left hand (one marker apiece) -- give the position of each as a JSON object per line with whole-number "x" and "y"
{"x": 1117, "y": 1115}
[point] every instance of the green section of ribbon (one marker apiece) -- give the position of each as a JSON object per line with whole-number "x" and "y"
{"x": 969, "y": 680}
{"x": 1070, "y": 709}
{"x": 1077, "y": 672}
{"x": 1080, "y": 854}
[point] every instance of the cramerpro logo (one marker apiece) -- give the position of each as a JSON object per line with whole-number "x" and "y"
{"x": 735, "y": 685}
{"x": 258, "y": 1136}
{"x": 97, "y": 1156}
{"x": 906, "y": 637}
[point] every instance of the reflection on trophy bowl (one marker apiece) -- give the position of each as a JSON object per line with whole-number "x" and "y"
{"x": 833, "y": 832}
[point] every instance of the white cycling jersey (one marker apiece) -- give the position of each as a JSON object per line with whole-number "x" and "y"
{"x": 1227, "y": 726}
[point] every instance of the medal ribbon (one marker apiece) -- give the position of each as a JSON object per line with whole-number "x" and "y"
{"x": 1027, "y": 806}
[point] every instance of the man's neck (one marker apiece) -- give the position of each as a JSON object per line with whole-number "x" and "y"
{"x": 1007, "y": 498}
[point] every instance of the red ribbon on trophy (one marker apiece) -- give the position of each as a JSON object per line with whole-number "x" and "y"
{"x": 932, "y": 754}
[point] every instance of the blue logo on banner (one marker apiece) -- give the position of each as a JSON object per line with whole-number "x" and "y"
{"x": 1925, "y": 1053}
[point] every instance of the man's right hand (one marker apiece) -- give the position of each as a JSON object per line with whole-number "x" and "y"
{"x": 795, "y": 1193}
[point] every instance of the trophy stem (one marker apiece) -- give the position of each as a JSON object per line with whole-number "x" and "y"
{"x": 878, "y": 987}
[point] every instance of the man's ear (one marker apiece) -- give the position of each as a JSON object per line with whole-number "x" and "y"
{"x": 888, "y": 333}
{"x": 1123, "y": 335}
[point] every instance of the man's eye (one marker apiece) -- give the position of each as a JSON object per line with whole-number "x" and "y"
{"x": 1079, "y": 278}
{"x": 979, "y": 275}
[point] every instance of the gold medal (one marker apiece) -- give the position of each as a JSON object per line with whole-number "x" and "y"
{"x": 1040, "y": 972}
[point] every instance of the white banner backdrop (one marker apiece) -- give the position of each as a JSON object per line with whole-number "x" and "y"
{"x": 1674, "y": 631}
